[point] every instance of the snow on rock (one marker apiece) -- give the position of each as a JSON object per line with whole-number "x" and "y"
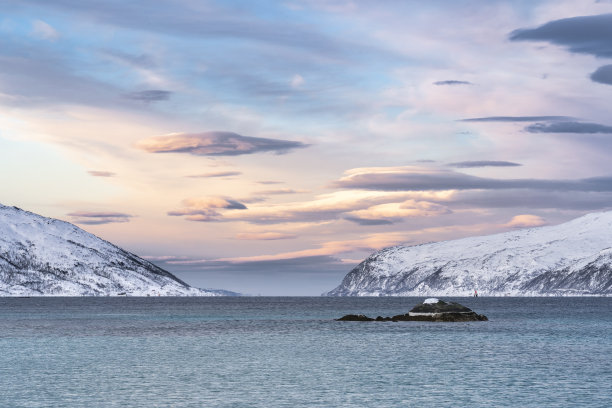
{"x": 431, "y": 301}
{"x": 42, "y": 256}
{"x": 574, "y": 258}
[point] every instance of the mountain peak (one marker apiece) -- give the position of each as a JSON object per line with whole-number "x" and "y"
{"x": 42, "y": 256}
{"x": 573, "y": 258}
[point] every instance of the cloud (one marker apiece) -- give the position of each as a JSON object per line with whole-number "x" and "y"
{"x": 397, "y": 211}
{"x": 603, "y": 75}
{"x": 418, "y": 179}
{"x": 484, "y": 163}
{"x": 216, "y": 143}
{"x": 216, "y": 174}
{"x": 583, "y": 34}
{"x": 100, "y": 173}
{"x": 267, "y": 182}
{"x": 452, "y": 82}
{"x": 205, "y": 209}
{"x": 325, "y": 207}
{"x": 364, "y": 243}
{"x": 96, "y": 218}
{"x": 515, "y": 119}
{"x": 568, "y": 127}
{"x": 297, "y": 81}
{"x": 531, "y": 199}
{"x": 135, "y": 60}
{"x": 151, "y": 95}
{"x": 368, "y": 221}
{"x": 264, "y": 236}
{"x": 44, "y": 31}
{"x": 525, "y": 221}
{"x": 280, "y": 191}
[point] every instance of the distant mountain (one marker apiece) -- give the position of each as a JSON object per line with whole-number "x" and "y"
{"x": 42, "y": 256}
{"x": 572, "y": 259}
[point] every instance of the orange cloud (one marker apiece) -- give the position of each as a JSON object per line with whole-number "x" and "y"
{"x": 525, "y": 221}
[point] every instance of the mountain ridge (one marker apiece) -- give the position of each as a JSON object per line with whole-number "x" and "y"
{"x": 42, "y": 256}
{"x": 573, "y": 258}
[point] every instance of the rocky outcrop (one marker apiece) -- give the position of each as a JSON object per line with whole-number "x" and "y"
{"x": 431, "y": 310}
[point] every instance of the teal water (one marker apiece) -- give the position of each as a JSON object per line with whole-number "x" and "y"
{"x": 289, "y": 352}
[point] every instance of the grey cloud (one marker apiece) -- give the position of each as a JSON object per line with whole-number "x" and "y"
{"x": 151, "y": 95}
{"x": 516, "y": 119}
{"x": 568, "y": 127}
{"x": 217, "y": 174}
{"x": 96, "y": 218}
{"x": 205, "y": 210}
{"x": 484, "y": 163}
{"x": 99, "y": 173}
{"x": 458, "y": 181}
{"x": 217, "y": 143}
{"x": 140, "y": 60}
{"x": 530, "y": 199}
{"x": 452, "y": 82}
{"x": 279, "y": 191}
{"x": 603, "y": 75}
{"x": 266, "y": 182}
{"x": 584, "y": 34}
{"x": 368, "y": 221}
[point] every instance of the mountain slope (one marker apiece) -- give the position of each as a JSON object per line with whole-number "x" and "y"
{"x": 45, "y": 256}
{"x": 573, "y": 258}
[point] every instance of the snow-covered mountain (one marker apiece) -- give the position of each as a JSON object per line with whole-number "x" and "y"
{"x": 42, "y": 256}
{"x": 574, "y": 258}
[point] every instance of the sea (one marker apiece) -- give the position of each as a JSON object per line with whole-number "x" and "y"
{"x": 290, "y": 352}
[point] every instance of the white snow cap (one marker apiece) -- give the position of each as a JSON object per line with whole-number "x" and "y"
{"x": 431, "y": 300}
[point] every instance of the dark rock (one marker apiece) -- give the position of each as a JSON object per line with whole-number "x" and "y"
{"x": 432, "y": 310}
{"x": 355, "y": 318}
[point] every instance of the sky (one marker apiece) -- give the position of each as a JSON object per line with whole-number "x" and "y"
{"x": 268, "y": 147}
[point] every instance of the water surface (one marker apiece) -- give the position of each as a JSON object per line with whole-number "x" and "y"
{"x": 289, "y": 352}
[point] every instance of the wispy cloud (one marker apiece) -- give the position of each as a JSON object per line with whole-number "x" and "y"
{"x": 368, "y": 242}
{"x": 358, "y": 206}
{"x": 452, "y": 82}
{"x": 205, "y": 209}
{"x": 568, "y": 127}
{"x": 268, "y": 182}
{"x": 44, "y": 31}
{"x": 216, "y": 143}
{"x": 484, "y": 163}
{"x": 419, "y": 179}
{"x": 516, "y": 119}
{"x": 101, "y": 173}
{"x": 150, "y": 95}
{"x": 368, "y": 221}
{"x": 96, "y": 218}
{"x": 264, "y": 236}
{"x": 216, "y": 174}
{"x": 280, "y": 191}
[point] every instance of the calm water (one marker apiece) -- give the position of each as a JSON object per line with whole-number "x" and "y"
{"x": 288, "y": 352}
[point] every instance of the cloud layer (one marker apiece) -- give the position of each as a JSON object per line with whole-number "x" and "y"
{"x": 97, "y": 218}
{"x": 216, "y": 144}
{"x": 420, "y": 179}
{"x": 568, "y": 127}
{"x": 584, "y": 34}
{"x": 484, "y": 163}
